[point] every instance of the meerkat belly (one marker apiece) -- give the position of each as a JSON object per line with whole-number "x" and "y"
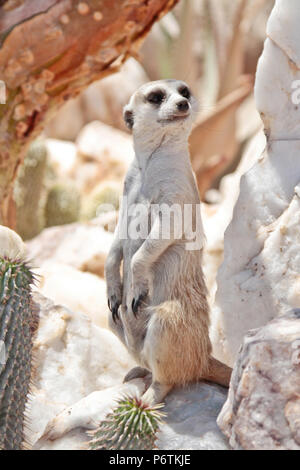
{"x": 174, "y": 271}
{"x": 138, "y": 221}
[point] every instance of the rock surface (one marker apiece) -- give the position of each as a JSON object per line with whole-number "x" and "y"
{"x": 259, "y": 277}
{"x": 190, "y": 422}
{"x": 62, "y": 156}
{"x": 262, "y": 411}
{"x": 191, "y": 419}
{"x": 80, "y": 292}
{"x": 69, "y": 261}
{"x": 83, "y": 246}
{"x": 216, "y": 218}
{"x": 73, "y": 358}
{"x": 79, "y": 373}
{"x": 104, "y": 153}
{"x": 11, "y": 244}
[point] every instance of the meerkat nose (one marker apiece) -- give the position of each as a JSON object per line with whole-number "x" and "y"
{"x": 183, "y": 105}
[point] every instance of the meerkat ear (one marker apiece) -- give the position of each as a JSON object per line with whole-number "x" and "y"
{"x": 128, "y": 117}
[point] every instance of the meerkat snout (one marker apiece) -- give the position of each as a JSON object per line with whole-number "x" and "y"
{"x": 161, "y": 103}
{"x": 183, "y": 106}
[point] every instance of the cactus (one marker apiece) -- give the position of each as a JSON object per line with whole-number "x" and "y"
{"x": 132, "y": 425}
{"x": 28, "y": 191}
{"x": 63, "y": 205}
{"x": 107, "y": 193}
{"x": 18, "y": 322}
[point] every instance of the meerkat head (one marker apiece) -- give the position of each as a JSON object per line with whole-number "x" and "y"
{"x": 160, "y": 106}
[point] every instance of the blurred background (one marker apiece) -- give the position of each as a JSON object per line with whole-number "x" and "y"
{"x": 81, "y": 159}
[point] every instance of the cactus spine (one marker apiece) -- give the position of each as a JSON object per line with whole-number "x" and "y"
{"x": 132, "y": 425}
{"x": 18, "y": 321}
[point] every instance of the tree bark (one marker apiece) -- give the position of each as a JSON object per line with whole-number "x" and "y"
{"x": 50, "y": 50}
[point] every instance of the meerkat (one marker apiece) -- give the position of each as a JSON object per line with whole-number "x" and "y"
{"x": 155, "y": 285}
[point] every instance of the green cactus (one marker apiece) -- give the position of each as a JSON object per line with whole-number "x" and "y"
{"x": 18, "y": 322}
{"x": 28, "y": 191}
{"x": 104, "y": 193}
{"x": 132, "y": 425}
{"x": 63, "y": 205}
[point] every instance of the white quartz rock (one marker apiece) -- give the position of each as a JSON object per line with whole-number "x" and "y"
{"x": 262, "y": 251}
{"x": 78, "y": 378}
{"x": 262, "y": 411}
{"x": 60, "y": 254}
{"x": 73, "y": 358}
{"x": 11, "y": 244}
{"x": 283, "y": 28}
{"x": 62, "y": 156}
{"x": 87, "y": 412}
{"x": 259, "y": 277}
{"x": 278, "y": 69}
{"x": 104, "y": 153}
{"x": 274, "y": 93}
{"x": 80, "y": 292}
{"x": 99, "y": 142}
{"x": 217, "y": 217}
{"x": 190, "y": 421}
{"x": 81, "y": 245}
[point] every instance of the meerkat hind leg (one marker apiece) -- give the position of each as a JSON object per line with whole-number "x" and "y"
{"x": 218, "y": 372}
{"x": 156, "y": 393}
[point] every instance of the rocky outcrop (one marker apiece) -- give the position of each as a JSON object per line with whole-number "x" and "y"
{"x": 70, "y": 261}
{"x": 73, "y": 358}
{"x": 216, "y": 217}
{"x": 259, "y": 277}
{"x": 103, "y": 153}
{"x": 262, "y": 410}
{"x": 190, "y": 423}
{"x": 80, "y": 292}
{"x": 83, "y": 246}
{"x": 78, "y": 378}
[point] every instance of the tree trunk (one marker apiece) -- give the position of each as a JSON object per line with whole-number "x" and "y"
{"x": 50, "y": 50}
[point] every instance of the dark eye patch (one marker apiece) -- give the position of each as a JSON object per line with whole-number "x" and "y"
{"x": 185, "y": 92}
{"x": 156, "y": 97}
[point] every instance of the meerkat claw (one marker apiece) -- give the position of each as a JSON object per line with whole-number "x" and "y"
{"x": 135, "y": 306}
{"x": 136, "y": 303}
{"x": 113, "y": 306}
{"x": 115, "y": 313}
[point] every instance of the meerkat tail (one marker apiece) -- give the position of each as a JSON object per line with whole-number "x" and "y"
{"x": 218, "y": 372}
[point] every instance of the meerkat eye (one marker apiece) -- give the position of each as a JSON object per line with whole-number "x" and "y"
{"x": 156, "y": 97}
{"x": 185, "y": 92}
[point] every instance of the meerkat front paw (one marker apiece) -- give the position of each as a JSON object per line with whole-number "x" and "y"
{"x": 141, "y": 285}
{"x": 114, "y": 303}
{"x": 114, "y": 299}
{"x": 140, "y": 290}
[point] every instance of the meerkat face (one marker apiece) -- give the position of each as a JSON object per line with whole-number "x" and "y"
{"x": 160, "y": 104}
